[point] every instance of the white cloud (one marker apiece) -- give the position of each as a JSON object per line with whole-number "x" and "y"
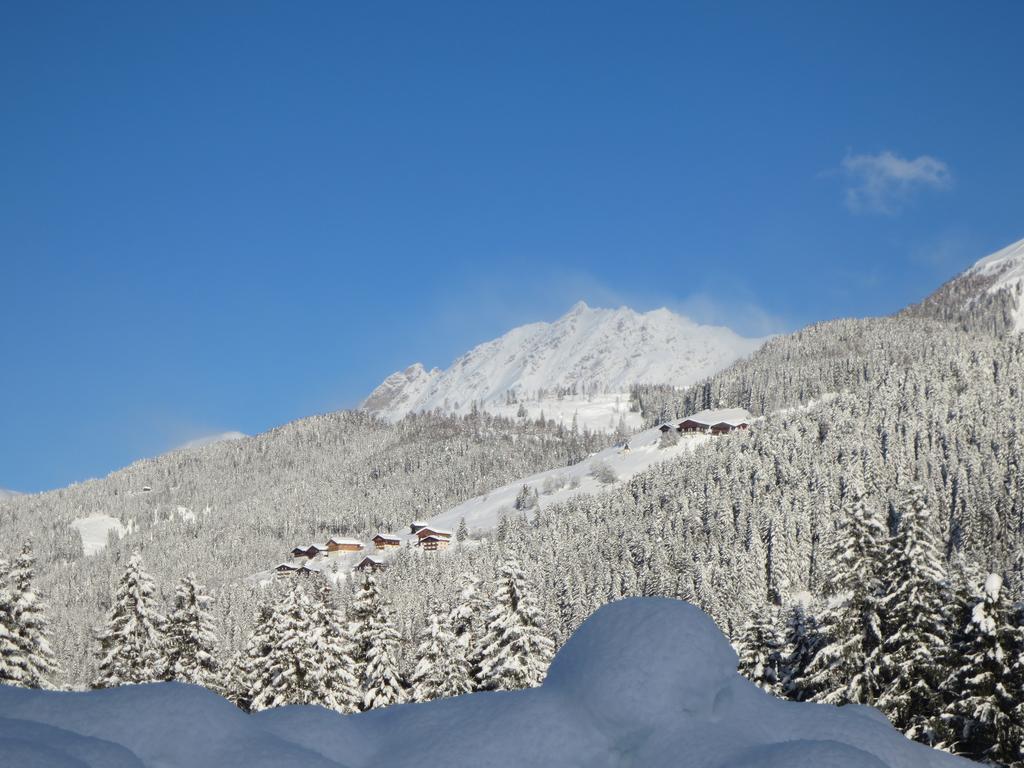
{"x": 198, "y": 442}
{"x": 885, "y": 182}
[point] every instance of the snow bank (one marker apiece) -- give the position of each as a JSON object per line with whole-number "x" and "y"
{"x": 644, "y": 682}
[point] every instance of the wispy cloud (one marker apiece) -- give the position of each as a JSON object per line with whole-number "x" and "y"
{"x": 884, "y": 183}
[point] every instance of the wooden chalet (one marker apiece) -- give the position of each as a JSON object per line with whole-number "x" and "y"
{"x": 428, "y": 530}
{"x": 370, "y": 564}
{"x": 383, "y": 541}
{"x": 295, "y": 569}
{"x": 716, "y": 422}
{"x": 309, "y": 550}
{"x": 433, "y": 542}
{"x": 339, "y": 545}
{"x": 416, "y": 526}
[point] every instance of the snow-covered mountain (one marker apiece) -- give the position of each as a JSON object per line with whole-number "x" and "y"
{"x": 987, "y": 297}
{"x": 1005, "y": 270}
{"x": 589, "y": 350}
{"x": 5, "y": 494}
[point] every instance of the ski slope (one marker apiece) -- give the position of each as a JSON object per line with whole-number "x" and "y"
{"x": 557, "y": 485}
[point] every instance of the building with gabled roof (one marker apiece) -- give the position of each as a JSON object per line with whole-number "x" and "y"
{"x": 370, "y": 564}
{"x": 384, "y": 541}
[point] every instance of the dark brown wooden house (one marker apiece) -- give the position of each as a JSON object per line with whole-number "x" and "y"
{"x": 384, "y": 541}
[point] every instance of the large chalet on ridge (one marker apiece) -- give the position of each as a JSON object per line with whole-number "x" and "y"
{"x": 717, "y": 421}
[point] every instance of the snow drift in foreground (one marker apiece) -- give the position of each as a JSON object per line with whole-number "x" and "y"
{"x": 644, "y": 682}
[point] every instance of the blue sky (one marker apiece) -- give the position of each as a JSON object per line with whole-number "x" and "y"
{"x": 222, "y": 216}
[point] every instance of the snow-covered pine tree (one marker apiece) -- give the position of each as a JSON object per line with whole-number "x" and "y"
{"x": 844, "y": 669}
{"x": 132, "y": 644}
{"x": 28, "y": 613}
{"x": 761, "y": 651}
{"x": 248, "y": 673}
{"x": 515, "y": 651}
{"x": 802, "y": 641}
{"x": 12, "y": 664}
{"x": 191, "y": 637}
{"x": 339, "y": 687}
{"x": 465, "y": 620}
{"x": 441, "y": 668}
{"x": 916, "y": 623}
{"x": 985, "y": 690}
{"x": 376, "y": 643}
{"x": 292, "y": 668}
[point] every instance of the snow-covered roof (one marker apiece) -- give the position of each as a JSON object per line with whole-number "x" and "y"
{"x": 388, "y": 537}
{"x": 373, "y": 559}
{"x": 731, "y": 416}
{"x": 287, "y": 567}
{"x": 434, "y": 538}
{"x": 337, "y": 540}
{"x": 429, "y": 529}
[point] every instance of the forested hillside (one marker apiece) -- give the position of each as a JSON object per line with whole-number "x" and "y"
{"x": 228, "y": 510}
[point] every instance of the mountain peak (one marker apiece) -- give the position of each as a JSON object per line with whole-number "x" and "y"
{"x": 587, "y": 350}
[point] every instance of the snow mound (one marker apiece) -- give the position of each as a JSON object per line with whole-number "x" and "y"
{"x": 645, "y": 682}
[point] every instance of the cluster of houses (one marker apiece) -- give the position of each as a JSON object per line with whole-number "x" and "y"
{"x": 719, "y": 421}
{"x": 309, "y": 558}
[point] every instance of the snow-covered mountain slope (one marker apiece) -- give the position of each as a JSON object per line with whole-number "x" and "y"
{"x": 589, "y": 350}
{"x": 5, "y": 494}
{"x": 988, "y": 297}
{"x": 1006, "y": 270}
{"x": 595, "y": 473}
{"x": 644, "y": 682}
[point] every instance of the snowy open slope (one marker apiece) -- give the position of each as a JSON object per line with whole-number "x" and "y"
{"x": 556, "y": 485}
{"x": 644, "y": 683}
{"x": 94, "y": 531}
{"x": 599, "y": 350}
{"x": 1007, "y": 266}
{"x": 5, "y": 494}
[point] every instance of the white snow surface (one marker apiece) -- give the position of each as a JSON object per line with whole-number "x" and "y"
{"x": 6, "y": 494}
{"x": 557, "y": 485}
{"x": 1007, "y": 265}
{"x": 644, "y": 683}
{"x": 604, "y": 350}
{"x": 93, "y": 530}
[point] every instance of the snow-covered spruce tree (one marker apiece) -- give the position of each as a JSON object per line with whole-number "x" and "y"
{"x": 844, "y": 669}
{"x": 191, "y": 638}
{"x": 515, "y": 651}
{"x": 376, "y": 646}
{"x": 441, "y": 668}
{"x": 12, "y": 664}
{"x": 290, "y": 672}
{"x": 132, "y": 645}
{"x": 338, "y": 686}
{"x": 249, "y": 672}
{"x": 985, "y": 690}
{"x": 761, "y": 652}
{"x": 465, "y": 620}
{"x": 30, "y": 626}
{"x": 915, "y": 608}
{"x": 802, "y": 641}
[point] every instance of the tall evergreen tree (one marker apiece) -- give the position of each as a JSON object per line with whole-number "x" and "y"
{"x": 761, "y": 652}
{"x": 333, "y": 646}
{"x": 376, "y": 644}
{"x": 12, "y": 663}
{"x": 132, "y": 644}
{"x": 290, "y": 670}
{"x": 802, "y": 641}
{"x": 28, "y": 612}
{"x": 985, "y": 690}
{"x": 249, "y": 670}
{"x": 466, "y": 620}
{"x": 441, "y": 667}
{"x": 916, "y": 628}
{"x": 191, "y": 638}
{"x": 515, "y": 651}
{"x": 845, "y": 667}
